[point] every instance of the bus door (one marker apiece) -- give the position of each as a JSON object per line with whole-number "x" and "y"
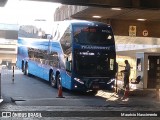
{"x": 68, "y": 72}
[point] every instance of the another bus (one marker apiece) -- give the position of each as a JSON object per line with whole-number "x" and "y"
{"x": 79, "y": 55}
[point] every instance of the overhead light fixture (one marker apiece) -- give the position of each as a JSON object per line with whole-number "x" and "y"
{"x": 39, "y": 20}
{"x": 116, "y": 9}
{"x": 140, "y": 19}
{"x": 96, "y": 16}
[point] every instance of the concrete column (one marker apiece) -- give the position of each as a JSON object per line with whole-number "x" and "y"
{"x": 0, "y": 88}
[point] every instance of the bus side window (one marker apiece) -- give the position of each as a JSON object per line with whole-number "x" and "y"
{"x": 30, "y": 54}
{"x": 42, "y": 61}
{"x": 46, "y": 62}
{"x": 69, "y": 64}
{"x": 66, "y": 41}
{"x": 38, "y": 60}
{"x": 51, "y": 63}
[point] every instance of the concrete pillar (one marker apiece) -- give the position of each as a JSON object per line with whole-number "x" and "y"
{"x": 0, "y": 89}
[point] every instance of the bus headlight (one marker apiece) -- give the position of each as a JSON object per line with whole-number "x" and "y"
{"x": 78, "y": 80}
{"x": 110, "y": 81}
{"x": 112, "y": 86}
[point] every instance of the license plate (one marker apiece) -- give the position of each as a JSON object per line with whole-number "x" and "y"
{"x": 95, "y": 87}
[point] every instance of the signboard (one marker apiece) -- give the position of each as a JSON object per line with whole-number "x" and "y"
{"x": 132, "y": 31}
{"x": 145, "y": 33}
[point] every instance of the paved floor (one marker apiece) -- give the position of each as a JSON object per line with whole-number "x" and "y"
{"x": 32, "y": 94}
{"x": 32, "y": 89}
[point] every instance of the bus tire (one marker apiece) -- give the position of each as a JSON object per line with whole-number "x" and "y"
{"x": 58, "y": 80}
{"x": 52, "y": 80}
{"x": 26, "y": 69}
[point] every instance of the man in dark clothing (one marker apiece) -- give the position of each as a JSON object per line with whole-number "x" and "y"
{"x": 126, "y": 72}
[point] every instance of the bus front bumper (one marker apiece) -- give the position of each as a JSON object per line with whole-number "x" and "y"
{"x": 93, "y": 84}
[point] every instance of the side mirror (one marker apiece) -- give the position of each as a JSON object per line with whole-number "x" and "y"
{"x": 68, "y": 44}
{"x": 49, "y": 36}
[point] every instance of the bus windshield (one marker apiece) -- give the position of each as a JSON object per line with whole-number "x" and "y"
{"x": 92, "y": 35}
{"x": 93, "y": 63}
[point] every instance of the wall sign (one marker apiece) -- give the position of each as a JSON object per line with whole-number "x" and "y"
{"x": 132, "y": 31}
{"x": 145, "y": 32}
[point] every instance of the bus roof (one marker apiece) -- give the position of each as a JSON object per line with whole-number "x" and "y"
{"x": 55, "y": 29}
{"x": 59, "y": 27}
{"x": 81, "y": 22}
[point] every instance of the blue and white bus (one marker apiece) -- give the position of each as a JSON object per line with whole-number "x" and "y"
{"x": 79, "y": 55}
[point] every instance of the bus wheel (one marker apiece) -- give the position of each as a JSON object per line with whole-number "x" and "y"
{"x": 58, "y": 80}
{"x": 52, "y": 80}
{"x": 26, "y": 69}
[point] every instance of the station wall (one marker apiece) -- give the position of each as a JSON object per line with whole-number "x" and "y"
{"x": 8, "y": 43}
{"x": 121, "y": 27}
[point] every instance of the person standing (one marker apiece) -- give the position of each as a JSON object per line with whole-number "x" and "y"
{"x": 126, "y": 72}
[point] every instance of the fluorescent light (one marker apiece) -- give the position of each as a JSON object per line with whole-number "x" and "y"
{"x": 96, "y": 16}
{"x": 39, "y": 20}
{"x": 140, "y": 19}
{"x": 116, "y": 9}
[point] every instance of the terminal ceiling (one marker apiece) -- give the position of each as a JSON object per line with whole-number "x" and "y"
{"x": 131, "y": 9}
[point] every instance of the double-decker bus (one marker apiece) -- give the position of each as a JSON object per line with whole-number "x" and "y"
{"x": 79, "y": 55}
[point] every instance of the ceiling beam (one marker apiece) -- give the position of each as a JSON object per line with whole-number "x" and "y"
{"x": 139, "y": 4}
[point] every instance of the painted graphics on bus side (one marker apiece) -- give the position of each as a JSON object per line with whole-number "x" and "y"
{"x": 79, "y": 55}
